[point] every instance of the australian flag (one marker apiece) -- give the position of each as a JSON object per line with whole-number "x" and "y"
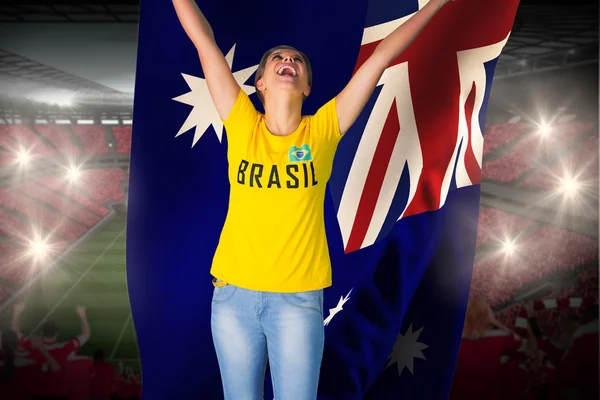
{"x": 401, "y": 214}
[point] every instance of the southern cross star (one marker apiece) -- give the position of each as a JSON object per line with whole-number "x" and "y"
{"x": 204, "y": 113}
{"x": 337, "y": 309}
{"x": 406, "y": 349}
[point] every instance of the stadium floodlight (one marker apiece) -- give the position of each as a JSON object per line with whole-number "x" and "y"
{"x": 523, "y": 62}
{"x": 23, "y": 157}
{"x": 63, "y": 121}
{"x": 127, "y": 122}
{"x": 110, "y": 122}
{"x": 60, "y": 98}
{"x": 544, "y": 129}
{"x": 508, "y": 247}
{"x": 41, "y": 122}
{"x": 514, "y": 119}
{"x": 85, "y": 121}
{"x": 73, "y": 174}
{"x": 569, "y": 186}
{"x": 39, "y": 249}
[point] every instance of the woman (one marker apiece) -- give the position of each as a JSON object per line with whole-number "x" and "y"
{"x": 272, "y": 262}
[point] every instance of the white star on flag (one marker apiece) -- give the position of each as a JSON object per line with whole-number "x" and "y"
{"x": 337, "y": 309}
{"x": 406, "y": 349}
{"x": 204, "y": 112}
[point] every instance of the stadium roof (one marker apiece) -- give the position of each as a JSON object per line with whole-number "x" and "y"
{"x": 550, "y": 37}
{"x": 95, "y": 49}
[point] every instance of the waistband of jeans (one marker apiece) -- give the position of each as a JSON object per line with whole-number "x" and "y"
{"x": 219, "y": 283}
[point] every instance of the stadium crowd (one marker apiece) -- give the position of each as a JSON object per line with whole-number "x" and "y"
{"x": 41, "y": 368}
{"x": 522, "y": 361}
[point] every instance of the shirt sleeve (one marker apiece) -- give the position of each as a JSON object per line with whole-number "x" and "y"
{"x": 75, "y": 344}
{"x": 81, "y": 339}
{"x": 241, "y": 119}
{"x": 326, "y": 122}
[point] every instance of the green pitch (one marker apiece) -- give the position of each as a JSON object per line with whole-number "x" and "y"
{"x": 93, "y": 276}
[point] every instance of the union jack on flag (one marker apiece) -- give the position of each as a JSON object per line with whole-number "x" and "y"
{"x": 405, "y": 186}
{"x": 421, "y": 135}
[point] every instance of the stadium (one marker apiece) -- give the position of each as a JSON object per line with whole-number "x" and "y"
{"x": 65, "y": 139}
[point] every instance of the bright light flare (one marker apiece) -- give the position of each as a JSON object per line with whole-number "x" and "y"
{"x": 23, "y": 157}
{"x": 39, "y": 249}
{"x": 73, "y": 174}
{"x": 509, "y": 247}
{"x": 62, "y": 98}
{"x": 544, "y": 130}
{"x": 569, "y": 186}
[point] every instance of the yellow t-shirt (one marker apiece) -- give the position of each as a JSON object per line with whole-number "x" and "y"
{"x": 274, "y": 237}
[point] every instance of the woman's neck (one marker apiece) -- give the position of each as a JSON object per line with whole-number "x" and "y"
{"x": 283, "y": 116}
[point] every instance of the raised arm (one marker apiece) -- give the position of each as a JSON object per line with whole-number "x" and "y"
{"x": 351, "y": 101}
{"x": 221, "y": 84}
{"x": 85, "y": 326}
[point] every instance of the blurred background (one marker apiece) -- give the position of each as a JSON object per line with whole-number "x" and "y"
{"x": 66, "y": 97}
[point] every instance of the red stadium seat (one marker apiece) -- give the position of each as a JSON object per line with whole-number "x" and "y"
{"x": 529, "y": 150}
{"x": 61, "y": 138}
{"x": 92, "y": 138}
{"x": 123, "y": 136}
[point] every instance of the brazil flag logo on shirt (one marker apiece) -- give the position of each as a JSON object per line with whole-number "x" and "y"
{"x": 300, "y": 154}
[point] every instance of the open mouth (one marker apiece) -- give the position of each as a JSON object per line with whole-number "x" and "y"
{"x": 287, "y": 70}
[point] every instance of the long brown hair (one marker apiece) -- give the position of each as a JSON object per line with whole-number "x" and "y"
{"x": 477, "y": 319}
{"x": 263, "y": 62}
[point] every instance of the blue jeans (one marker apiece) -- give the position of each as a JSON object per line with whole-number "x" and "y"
{"x": 250, "y": 327}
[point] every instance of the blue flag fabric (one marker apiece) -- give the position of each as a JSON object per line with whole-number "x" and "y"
{"x": 403, "y": 202}
{"x": 405, "y": 188}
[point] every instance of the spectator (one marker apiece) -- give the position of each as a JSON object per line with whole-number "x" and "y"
{"x": 479, "y": 372}
{"x": 18, "y": 370}
{"x": 79, "y": 371}
{"x": 53, "y": 384}
{"x": 125, "y": 386}
{"x": 103, "y": 376}
{"x": 579, "y": 370}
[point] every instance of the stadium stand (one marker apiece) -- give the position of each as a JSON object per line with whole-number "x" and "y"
{"x": 530, "y": 149}
{"x": 582, "y": 164}
{"x": 61, "y": 185}
{"x": 6, "y": 158}
{"x": 500, "y": 135}
{"x": 18, "y": 138}
{"x": 92, "y": 138}
{"x": 41, "y": 215}
{"x": 123, "y": 136}
{"x": 498, "y": 225}
{"x": 61, "y": 138}
{"x": 54, "y": 207}
{"x": 540, "y": 254}
{"x": 101, "y": 185}
{"x": 62, "y": 204}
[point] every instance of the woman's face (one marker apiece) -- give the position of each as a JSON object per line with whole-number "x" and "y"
{"x": 285, "y": 70}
